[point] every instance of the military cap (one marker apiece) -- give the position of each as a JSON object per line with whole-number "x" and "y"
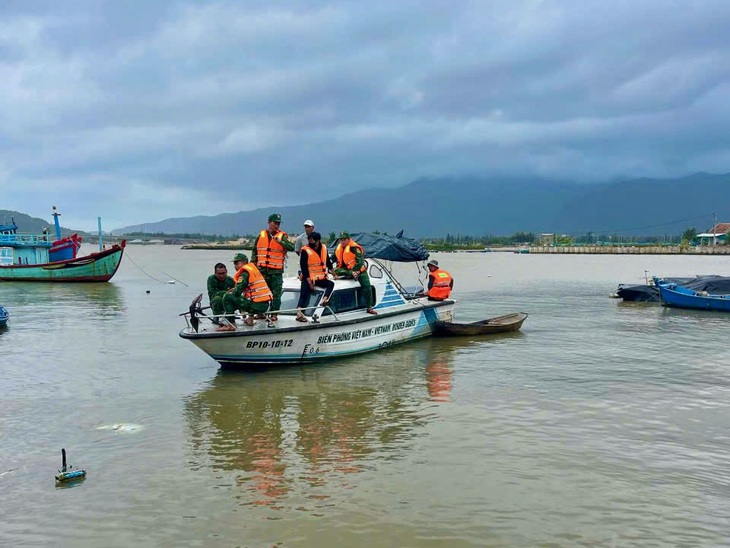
{"x": 344, "y": 234}
{"x": 240, "y": 257}
{"x": 276, "y": 217}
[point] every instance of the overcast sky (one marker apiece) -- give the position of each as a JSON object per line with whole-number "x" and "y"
{"x": 140, "y": 110}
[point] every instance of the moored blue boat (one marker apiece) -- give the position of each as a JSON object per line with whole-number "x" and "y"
{"x": 4, "y": 317}
{"x": 681, "y": 297}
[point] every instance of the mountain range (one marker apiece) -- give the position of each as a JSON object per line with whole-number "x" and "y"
{"x": 480, "y": 206}
{"x": 32, "y": 225}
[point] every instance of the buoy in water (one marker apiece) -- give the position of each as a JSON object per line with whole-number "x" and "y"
{"x": 148, "y": 292}
{"x": 67, "y": 474}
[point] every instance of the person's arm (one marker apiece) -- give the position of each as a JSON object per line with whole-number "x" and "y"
{"x": 287, "y": 243}
{"x": 430, "y": 281}
{"x": 359, "y": 260}
{"x": 212, "y": 289}
{"x": 304, "y": 265}
{"x": 241, "y": 285}
{"x": 254, "y": 251}
{"x": 298, "y": 244}
{"x": 451, "y": 284}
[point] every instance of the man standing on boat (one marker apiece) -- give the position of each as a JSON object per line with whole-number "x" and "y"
{"x": 350, "y": 258}
{"x": 440, "y": 282}
{"x": 314, "y": 264}
{"x": 269, "y": 254}
{"x": 250, "y": 294}
{"x": 303, "y": 238}
{"x": 218, "y": 285}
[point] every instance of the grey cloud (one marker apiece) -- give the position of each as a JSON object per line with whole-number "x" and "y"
{"x": 197, "y": 103}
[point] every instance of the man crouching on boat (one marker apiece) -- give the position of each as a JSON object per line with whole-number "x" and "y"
{"x": 250, "y": 294}
{"x": 440, "y": 282}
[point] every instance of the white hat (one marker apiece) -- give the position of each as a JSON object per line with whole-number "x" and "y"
{"x": 309, "y": 222}
{"x": 433, "y": 262}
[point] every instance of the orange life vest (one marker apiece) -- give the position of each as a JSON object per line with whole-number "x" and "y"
{"x": 346, "y": 258}
{"x": 441, "y": 288}
{"x": 256, "y": 290}
{"x": 269, "y": 251}
{"x": 316, "y": 262}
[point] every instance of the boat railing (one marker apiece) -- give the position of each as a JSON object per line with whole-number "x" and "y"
{"x": 35, "y": 240}
{"x": 223, "y": 318}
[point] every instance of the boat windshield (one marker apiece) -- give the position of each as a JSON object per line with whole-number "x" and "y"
{"x": 290, "y": 298}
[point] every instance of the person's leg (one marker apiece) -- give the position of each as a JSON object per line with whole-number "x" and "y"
{"x": 258, "y": 310}
{"x": 230, "y": 305}
{"x": 367, "y": 290}
{"x": 216, "y": 305}
{"x": 328, "y": 286}
{"x": 277, "y": 281}
{"x": 343, "y": 273}
{"x": 304, "y": 293}
{"x": 252, "y": 310}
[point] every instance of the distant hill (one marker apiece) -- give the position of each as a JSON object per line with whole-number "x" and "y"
{"x": 480, "y": 206}
{"x": 33, "y": 225}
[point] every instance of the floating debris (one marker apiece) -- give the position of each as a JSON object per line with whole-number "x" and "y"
{"x": 127, "y": 428}
{"x": 67, "y": 473}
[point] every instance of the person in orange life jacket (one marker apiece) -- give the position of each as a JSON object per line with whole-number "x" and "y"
{"x": 269, "y": 255}
{"x": 250, "y": 294}
{"x": 440, "y": 282}
{"x": 314, "y": 264}
{"x": 350, "y": 259}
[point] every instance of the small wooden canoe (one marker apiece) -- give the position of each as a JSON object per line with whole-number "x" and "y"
{"x": 500, "y": 324}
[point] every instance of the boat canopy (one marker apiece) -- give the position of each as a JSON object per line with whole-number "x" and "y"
{"x": 391, "y": 248}
{"x": 714, "y": 285}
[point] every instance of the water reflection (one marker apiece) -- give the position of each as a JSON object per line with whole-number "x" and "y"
{"x": 297, "y": 434}
{"x": 100, "y": 299}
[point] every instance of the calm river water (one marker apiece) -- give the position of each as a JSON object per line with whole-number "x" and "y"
{"x": 600, "y": 424}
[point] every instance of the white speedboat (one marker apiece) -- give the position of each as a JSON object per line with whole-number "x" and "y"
{"x": 341, "y": 328}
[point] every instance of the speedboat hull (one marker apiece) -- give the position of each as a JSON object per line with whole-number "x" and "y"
{"x": 353, "y": 333}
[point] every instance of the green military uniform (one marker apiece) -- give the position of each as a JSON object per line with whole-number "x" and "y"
{"x": 274, "y": 277}
{"x": 343, "y": 272}
{"x": 236, "y": 301}
{"x": 217, "y": 289}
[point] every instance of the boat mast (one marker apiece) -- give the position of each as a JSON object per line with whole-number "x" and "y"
{"x": 100, "y": 235}
{"x": 56, "y": 215}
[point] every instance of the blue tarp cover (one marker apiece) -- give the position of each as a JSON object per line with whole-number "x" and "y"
{"x": 391, "y": 248}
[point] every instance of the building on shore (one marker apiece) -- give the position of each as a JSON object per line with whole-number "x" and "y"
{"x": 718, "y": 234}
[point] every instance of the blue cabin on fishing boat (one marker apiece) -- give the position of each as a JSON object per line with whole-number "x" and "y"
{"x": 16, "y": 249}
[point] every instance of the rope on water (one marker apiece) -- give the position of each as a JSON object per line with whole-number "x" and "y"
{"x": 174, "y": 278}
{"x": 16, "y": 287}
{"x": 142, "y": 270}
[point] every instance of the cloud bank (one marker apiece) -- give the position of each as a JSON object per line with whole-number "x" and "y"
{"x": 138, "y": 111}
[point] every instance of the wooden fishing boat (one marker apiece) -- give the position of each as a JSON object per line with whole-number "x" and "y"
{"x": 36, "y": 258}
{"x": 96, "y": 267}
{"x": 500, "y": 324}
